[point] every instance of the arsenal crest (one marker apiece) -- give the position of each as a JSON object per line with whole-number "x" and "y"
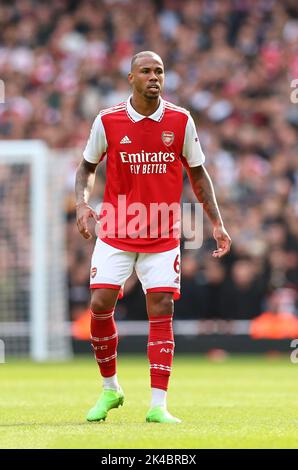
{"x": 167, "y": 137}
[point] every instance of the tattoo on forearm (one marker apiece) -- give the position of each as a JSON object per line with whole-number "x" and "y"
{"x": 204, "y": 191}
{"x": 85, "y": 177}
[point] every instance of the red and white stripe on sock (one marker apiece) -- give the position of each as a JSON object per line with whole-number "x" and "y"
{"x": 160, "y": 350}
{"x": 104, "y": 340}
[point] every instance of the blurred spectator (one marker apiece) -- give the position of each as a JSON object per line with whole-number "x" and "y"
{"x": 244, "y": 292}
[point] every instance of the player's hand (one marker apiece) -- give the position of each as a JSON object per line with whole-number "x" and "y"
{"x": 223, "y": 241}
{"x": 84, "y": 212}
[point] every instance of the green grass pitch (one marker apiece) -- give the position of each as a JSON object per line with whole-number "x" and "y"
{"x": 243, "y": 402}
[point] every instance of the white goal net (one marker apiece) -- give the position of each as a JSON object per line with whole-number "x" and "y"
{"x": 33, "y": 287}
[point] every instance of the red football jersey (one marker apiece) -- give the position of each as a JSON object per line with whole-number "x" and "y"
{"x": 145, "y": 158}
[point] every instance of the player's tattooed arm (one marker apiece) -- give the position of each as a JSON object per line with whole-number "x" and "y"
{"x": 204, "y": 191}
{"x": 85, "y": 177}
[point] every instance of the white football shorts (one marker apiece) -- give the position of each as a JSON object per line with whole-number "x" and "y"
{"x": 158, "y": 272}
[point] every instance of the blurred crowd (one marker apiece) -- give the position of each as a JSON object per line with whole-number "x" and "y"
{"x": 232, "y": 63}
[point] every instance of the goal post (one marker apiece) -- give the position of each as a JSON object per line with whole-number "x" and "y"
{"x": 33, "y": 287}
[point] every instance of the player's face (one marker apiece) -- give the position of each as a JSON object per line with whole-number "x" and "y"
{"x": 147, "y": 77}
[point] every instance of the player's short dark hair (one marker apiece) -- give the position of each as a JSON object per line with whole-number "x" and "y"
{"x": 142, "y": 54}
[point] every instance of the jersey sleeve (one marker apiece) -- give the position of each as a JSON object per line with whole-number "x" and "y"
{"x": 97, "y": 143}
{"x": 192, "y": 148}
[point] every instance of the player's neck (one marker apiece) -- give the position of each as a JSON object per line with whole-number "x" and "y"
{"x": 143, "y": 106}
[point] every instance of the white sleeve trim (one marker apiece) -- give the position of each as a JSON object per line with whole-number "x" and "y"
{"x": 192, "y": 150}
{"x": 97, "y": 143}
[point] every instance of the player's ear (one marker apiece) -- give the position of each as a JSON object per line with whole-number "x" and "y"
{"x": 130, "y": 78}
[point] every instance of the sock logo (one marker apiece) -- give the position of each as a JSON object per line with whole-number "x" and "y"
{"x": 168, "y": 351}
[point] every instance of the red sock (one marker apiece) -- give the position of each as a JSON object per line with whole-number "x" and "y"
{"x": 104, "y": 340}
{"x": 160, "y": 350}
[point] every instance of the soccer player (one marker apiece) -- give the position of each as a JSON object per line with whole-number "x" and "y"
{"x": 146, "y": 142}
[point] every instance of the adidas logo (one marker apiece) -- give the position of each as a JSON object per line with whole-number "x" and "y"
{"x": 125, "y": 140}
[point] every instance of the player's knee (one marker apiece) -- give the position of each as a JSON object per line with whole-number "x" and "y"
{"x": 98, "y": 305}
{"x": 164, "y": 305}
{"x": 102, "y": 300}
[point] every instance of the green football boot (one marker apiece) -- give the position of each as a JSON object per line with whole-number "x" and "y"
{"x": 159, "y": 414}
{"x": 108, "y": 400}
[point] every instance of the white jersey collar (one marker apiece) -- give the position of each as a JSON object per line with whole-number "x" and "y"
{"x": 135, "y": 116}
